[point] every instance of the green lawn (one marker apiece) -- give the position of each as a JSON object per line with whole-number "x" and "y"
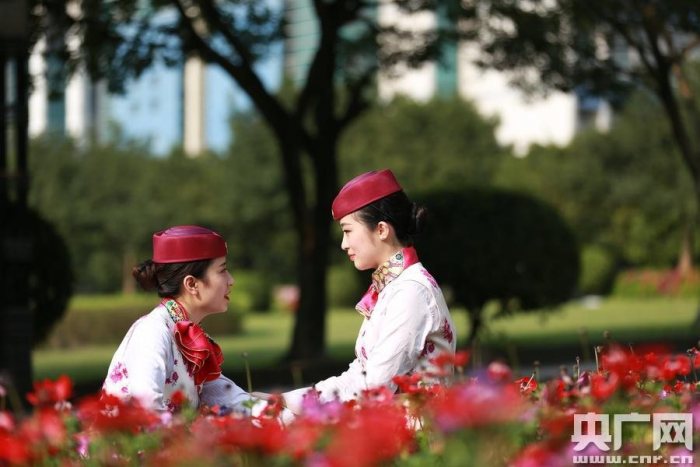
{"x": 267, "y": 336}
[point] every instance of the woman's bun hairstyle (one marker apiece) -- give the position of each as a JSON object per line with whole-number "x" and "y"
{"x": 407, "y": 218}
{"x": 145, "y": 275}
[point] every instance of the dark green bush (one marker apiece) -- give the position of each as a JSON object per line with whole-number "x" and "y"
{"x": 497, "y": 245}
{"x": 49, "y": 274}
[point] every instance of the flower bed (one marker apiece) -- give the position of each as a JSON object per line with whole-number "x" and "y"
{"x": 488, "y": 418}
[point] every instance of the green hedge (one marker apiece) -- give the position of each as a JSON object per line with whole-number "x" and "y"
{"x": 102, "y": 325}
{"x": 642, "y": 283}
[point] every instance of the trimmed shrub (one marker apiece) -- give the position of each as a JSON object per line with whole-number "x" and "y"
{"x": 49, "y": 274}
{"x": 497, "y": 245}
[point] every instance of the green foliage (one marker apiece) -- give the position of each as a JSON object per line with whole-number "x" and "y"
{"x": 49, "y": 274}
{"x": 345, "y": 286}
{"x": 108, "y": 200}
{"x": 598, "y": 271}
{"x": 496, "y": 245}
{"x": 261, "y": 235}
{"x": 427, "y": 145}
{"x": 646, "y": 283}
{"x": 624, "y": 190}
{"x": 88, "y": 327}
{"x": 251, "y": 291}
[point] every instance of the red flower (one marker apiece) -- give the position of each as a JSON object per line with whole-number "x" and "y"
{"x": 471, "y": 404}
{"x": 47, "y": 393}
{"x": 674, "y": 366}
{"x": 499, "y": 372}
{"x": 45, "y": 432}
{"x": 446, "y": 359}
{"x": 274, "y": 407}
{"x": 409, "y": 384}
{"x": 108, "y": 413}
{"x": 603, "y": 388}
{"x": 7, "y": 423}
{"x": 526, "y": 385}
{"x": 231, "y": 434}
{"x": 14, "y": 450}
{"x": 302, "y": 437}
{"x": 558, "y": 424}
{"x": 370, "y": 435}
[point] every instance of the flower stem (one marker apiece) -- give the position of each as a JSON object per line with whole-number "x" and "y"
{"x": 249, "y": 379}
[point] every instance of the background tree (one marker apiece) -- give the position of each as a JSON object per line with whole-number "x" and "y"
{"x": 622, "y": 191}
{"x": 107, "y": 201}
{"x": 427, "y": 145}
{"x": 119, "y": 39}
{"x": 603, "y": 49}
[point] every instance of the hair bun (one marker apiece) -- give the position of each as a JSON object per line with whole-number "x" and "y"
{"x": 145, "y": 275}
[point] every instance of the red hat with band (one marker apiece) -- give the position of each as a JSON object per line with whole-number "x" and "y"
{"x": 184, "y": 243}
{"x": 363, "y": 190}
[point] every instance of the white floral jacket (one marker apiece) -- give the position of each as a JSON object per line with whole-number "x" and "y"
{"x": 148, "y": 365}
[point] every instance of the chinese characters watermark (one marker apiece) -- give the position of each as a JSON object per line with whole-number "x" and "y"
{"x": 667, "y": 428}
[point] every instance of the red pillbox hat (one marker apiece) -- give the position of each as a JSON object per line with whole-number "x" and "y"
{"x": 363, "y": 190}
{"x": 184, "y": 243}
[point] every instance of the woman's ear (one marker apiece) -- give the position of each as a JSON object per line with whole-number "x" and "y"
{"x": 189, "y": 285}
{"x": 383, "y": 230}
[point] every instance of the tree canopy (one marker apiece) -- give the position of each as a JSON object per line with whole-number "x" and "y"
{"x": 116, "y": 40}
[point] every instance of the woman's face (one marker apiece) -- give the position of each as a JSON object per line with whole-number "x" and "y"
{"x": 363, "y": 246}
{"x": 215, "y": 287}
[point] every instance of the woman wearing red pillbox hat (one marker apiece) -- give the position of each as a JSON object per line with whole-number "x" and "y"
{"x": 166, "y": 351}
{"x": 406, "y": 320}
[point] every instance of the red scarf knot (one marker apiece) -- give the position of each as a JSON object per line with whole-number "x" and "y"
{"x": 202, "y": 355}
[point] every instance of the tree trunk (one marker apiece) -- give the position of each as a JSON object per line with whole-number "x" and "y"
{"x": 685, "y": 256}
{"x": 308, "y": 339}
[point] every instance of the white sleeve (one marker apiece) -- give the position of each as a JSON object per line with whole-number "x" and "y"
{"x": 145, "y": 352}
{"x": 346, "y": 386}
{"x": 397, "y": 349}
{"x": 225, "y": 393}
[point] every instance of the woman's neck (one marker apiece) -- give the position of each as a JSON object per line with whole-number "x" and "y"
{"x": 191, "y": 307}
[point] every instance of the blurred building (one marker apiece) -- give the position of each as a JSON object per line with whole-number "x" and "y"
{"x": 522, "y": 121}
{"x": 191, "y": 106}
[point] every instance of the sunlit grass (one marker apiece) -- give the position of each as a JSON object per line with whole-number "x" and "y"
{"x": 266, "y": 337}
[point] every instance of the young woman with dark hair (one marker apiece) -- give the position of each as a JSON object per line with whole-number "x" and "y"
{"x": 406, "y": 320}
{"x": 166, "y": 350}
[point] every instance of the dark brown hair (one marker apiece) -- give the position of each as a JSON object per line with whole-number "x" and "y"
{"x": 407, "y": 218}
{"x": 166, "y": 278}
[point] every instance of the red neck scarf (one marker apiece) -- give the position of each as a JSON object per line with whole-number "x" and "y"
{"x": 202, "y": 355}
{"x": 383, "y": 275}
